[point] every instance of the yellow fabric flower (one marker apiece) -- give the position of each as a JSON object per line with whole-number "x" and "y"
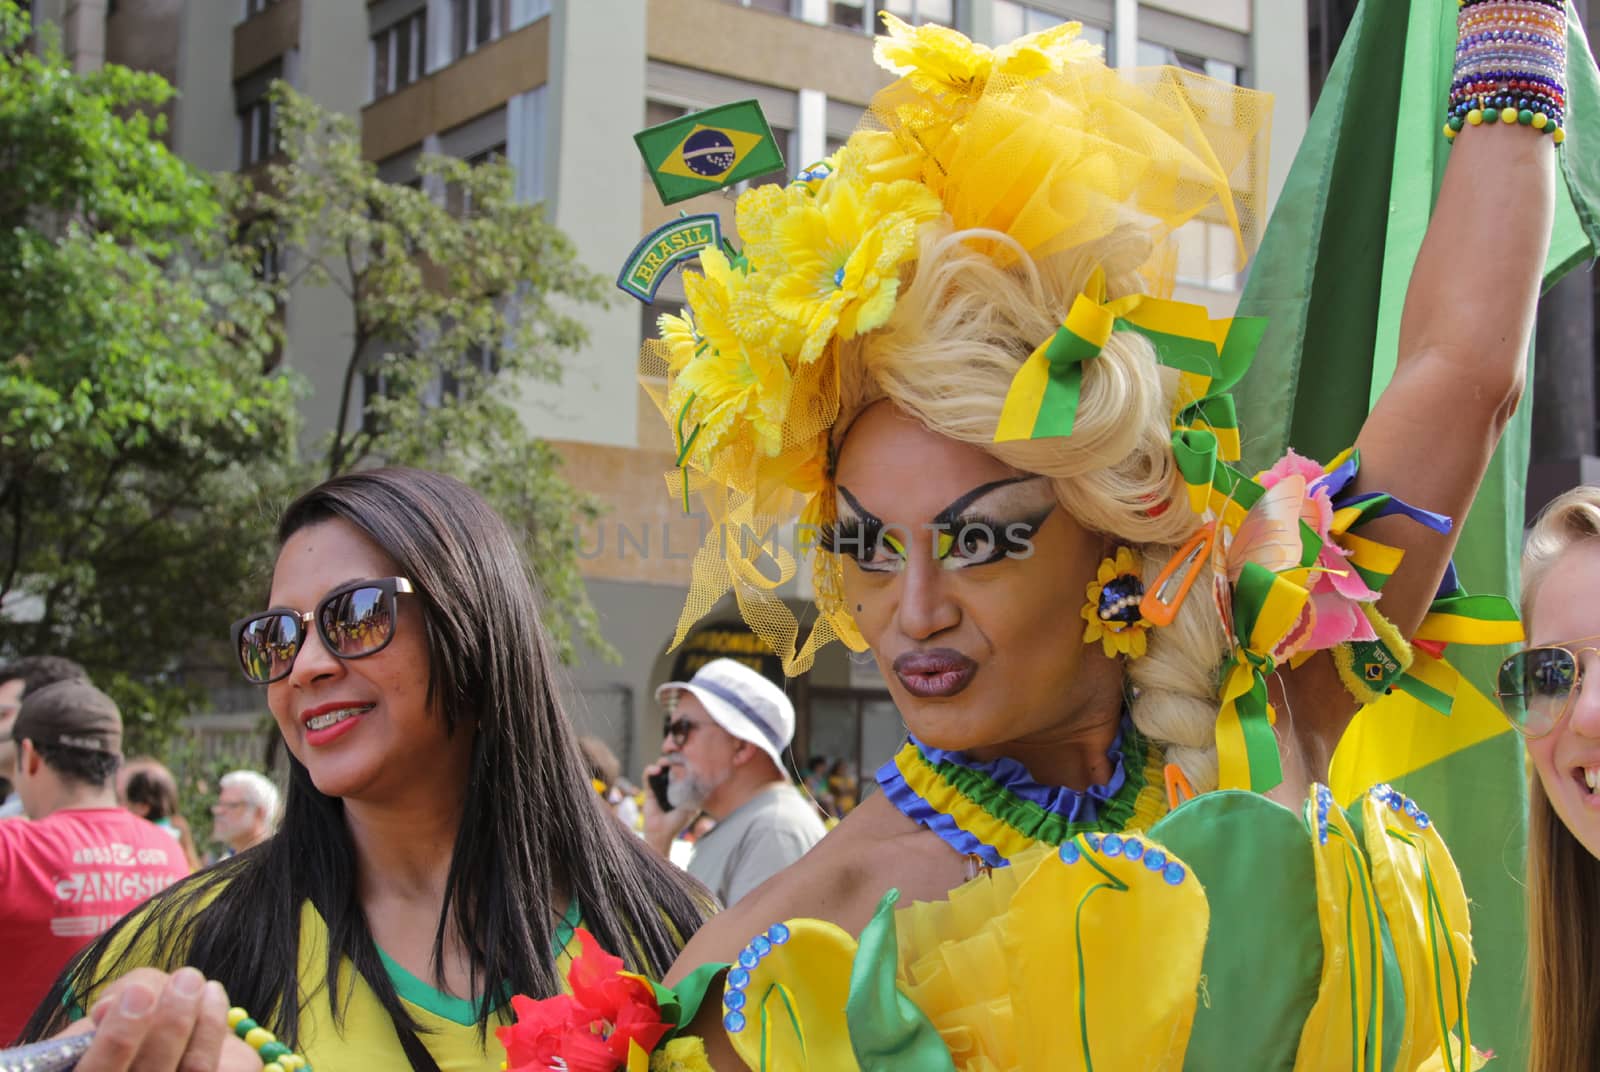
{"x": 843, "y": 254}
{"x": 732, "y": 385}
{"x": 938, "y": 59}
{"x": 1116, "y": 637}
{"x": 680, "y": 337}
{"x": 876, "y": 156}
{"x": 686, "y": 1053}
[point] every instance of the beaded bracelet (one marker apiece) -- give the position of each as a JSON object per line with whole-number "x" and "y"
{"x": 275, "y": 1056}
{"x": 1511, "y": 66}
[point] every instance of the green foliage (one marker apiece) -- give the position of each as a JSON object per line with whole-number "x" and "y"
{"x": 138, "y": 435}
{"x": 147, "y": 441}
{"x": 457, "y": 295}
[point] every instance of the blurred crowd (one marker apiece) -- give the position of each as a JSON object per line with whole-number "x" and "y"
{"x": 87, "y": 834}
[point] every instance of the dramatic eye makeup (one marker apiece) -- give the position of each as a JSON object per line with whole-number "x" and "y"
{"x": 988, "y": 523}
{"x": 860, "y": 534}
{"x": 991, "y": 522}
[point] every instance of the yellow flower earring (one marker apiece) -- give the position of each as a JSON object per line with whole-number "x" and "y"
{"x": 1111, "y": 614}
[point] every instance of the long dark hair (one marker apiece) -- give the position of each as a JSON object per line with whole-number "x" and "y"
{"x": 532, "y": 825}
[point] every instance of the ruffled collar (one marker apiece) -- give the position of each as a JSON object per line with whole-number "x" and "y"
{"x": 995, "y": 809}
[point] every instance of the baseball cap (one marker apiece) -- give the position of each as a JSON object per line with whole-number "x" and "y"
{"x": 70, "y": 713}
{"x": 743, "y": 702}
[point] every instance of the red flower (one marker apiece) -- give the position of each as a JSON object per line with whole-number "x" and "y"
{"x": 589, "y": 1029}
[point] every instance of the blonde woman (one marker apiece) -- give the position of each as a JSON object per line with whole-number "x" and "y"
{"x": 1542, "y": 690}
{"x": 1123, "y": 663}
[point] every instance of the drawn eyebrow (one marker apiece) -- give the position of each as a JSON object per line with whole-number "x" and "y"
{"x": 951, "y": 514}
{"x": 867, "y": 517}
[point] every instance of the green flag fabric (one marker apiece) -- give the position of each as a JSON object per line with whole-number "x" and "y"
{"x": 708, "y": 150}
{"x": 1330, "y": 277}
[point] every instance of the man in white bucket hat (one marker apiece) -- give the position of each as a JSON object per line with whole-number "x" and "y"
{"x": 722, "y": 746}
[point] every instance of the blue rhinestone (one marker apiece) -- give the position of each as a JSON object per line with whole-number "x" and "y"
{"x": 760, "y": 944}
{"x": 748, "y": 958}
{"x": 1094, "y": 841}
{"x": 1173, "y": 873}
{"x": 1322, "y": 836}
{"x": 1423, "y": 821}
{"x": 734, "y": 999}
{"x": 1132, "y": 849}
{"x": 1112, "y": 845}
{"x": 1396, "y": 802}
{"x": 1155, "y": 859}
{"x": 838, "y": 277}
{"x": 734, "y": 1022}
{"x": 778, "y": 933}
{"x": 1411, "y": 809}
{"x": 738, "y": 979}
{"x": 1070, "y": 853}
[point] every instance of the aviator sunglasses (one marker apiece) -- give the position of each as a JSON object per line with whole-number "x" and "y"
{"x": 1536, "y": 686}
{"x": 354, "y": 620}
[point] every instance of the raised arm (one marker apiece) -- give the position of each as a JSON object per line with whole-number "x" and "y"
{"x": 1463, "y": 338}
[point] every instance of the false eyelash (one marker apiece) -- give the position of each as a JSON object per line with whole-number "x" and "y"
{"x": 860, "y": 536}
{"x": 1005, "y": 543}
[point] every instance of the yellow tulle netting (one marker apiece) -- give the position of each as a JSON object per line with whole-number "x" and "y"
{"x": 1038, "y": 141}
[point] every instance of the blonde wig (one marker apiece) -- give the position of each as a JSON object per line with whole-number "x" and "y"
{"x": 1563, "y": 877}
{"x": 963, "y": 324}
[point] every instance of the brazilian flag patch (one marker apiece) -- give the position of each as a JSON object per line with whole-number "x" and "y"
{"x": 708, "y": 150}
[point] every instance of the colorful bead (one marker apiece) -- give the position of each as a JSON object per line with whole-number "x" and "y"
{"x": 1475, "y": 117}
{"x": 734, "y": 1022}
{"x": 778, "y": 933}
{"x": 275, "y": 1056}
{"x": 1559, "y": 136}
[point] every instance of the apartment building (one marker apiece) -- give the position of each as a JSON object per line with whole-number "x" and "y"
{"x": 557, "y": 88}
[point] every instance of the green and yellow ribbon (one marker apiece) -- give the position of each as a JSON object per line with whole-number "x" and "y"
{"x": 1266, "y": 606}
{"x": 1209, "y": 355}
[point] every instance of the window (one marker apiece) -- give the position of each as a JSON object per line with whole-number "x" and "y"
{"x": 1013, "y": 20}
{"x": 477, "y": 22}
{"x": 257, "y": 139}
{"x": 1154, "y": 55}
{"x": 782, "y": 7}
{"x": 855, "y": 731}
{"x": 785, "y": 140}
{"x": 483, "y": 360}
{"x": 863, "y": 14}
{"x": 373, "y": 385}
{"x": 399, "y": 54}
{"x": 457, "y": 199}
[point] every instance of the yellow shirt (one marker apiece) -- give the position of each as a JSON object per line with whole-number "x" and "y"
{"x": 366, "y": 1038}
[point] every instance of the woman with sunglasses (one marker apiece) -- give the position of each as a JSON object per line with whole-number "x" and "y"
{"x": 1543, "y": 691}
{"x": 440, "y": 839}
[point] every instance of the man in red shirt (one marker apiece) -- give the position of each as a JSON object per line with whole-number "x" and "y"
{"x": 82, "y": 862}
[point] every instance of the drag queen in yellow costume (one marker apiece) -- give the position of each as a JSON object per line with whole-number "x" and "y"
{"x": 1123, "y": 662}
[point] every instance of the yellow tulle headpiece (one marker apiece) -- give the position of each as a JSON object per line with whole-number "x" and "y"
{"x": 1037, "y": 140}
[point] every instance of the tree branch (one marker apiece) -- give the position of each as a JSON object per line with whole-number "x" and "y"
{"x": 337, "y": 453}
